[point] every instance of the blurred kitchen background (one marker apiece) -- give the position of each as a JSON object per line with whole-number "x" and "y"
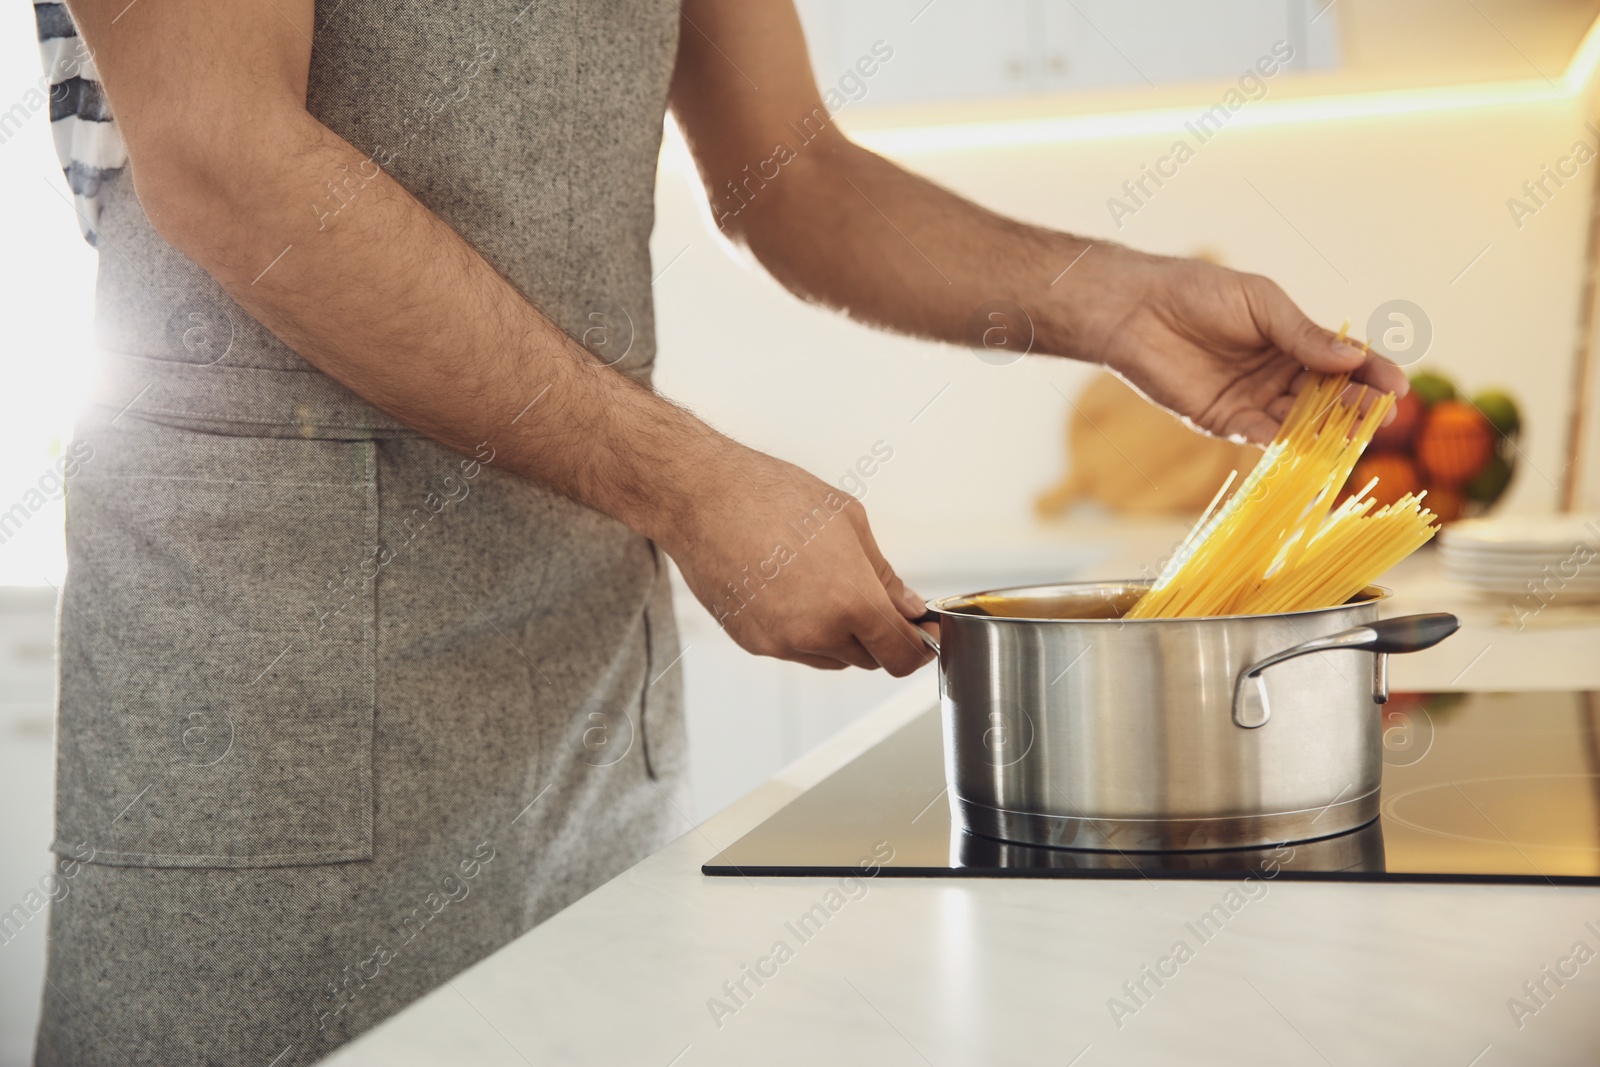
{"x": 1377, "y": 165}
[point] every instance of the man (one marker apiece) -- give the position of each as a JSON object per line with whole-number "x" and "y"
{"x": 367, "y": 654}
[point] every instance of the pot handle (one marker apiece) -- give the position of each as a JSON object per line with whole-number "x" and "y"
{"x": 927, "y": 638}
{"x": 1409, "y": 633}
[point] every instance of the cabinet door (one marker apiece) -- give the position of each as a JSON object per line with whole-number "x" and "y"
{"x": 1094, "y": 43}
{"x": 986, "y": 48}
{"x": 973, "y": 49}
{"x": 943, "y": 50}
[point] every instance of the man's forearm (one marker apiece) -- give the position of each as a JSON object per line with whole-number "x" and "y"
{"x": 849, "y": 229}
{"x": 386, "y": 298}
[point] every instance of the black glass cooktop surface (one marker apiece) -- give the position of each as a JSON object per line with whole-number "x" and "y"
{"x": 1477, "y": 787}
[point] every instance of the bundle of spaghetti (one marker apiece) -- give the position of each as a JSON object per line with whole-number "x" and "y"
{"x": 1344, "y": 557}
{"x": 1277, "y": 543}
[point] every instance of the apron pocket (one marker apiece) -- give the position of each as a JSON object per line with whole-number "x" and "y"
{"x": 217, "y": 650}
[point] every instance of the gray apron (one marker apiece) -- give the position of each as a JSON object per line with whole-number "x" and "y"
{"x": 343, "y": 711}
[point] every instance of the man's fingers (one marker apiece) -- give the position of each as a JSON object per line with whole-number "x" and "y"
{"x": 1363, "y": 397}
{"x": 1279, "y": 409}
{"x": 887, "y": 634}
{"x": 906, "y": 602}
{"x": 1317, "y": 348}
{"x": 846, "y": 649}
{"x": 1252, "y": 425}
{"x": 913, "y": 605}
{"x": 1301, "y": 380}
{"x": 909, "y": 603}
{"x": 1286, "y": 326}
{"x": 1383, "y": 375}
{"x": 830, "y": 647}
{"x": 849, "y": 655}
{"x": 821, "y": 663}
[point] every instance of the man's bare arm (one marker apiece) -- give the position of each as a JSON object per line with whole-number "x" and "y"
{"x": 387, "y": 299}
{"x": 393, "y": 303}
{"x": 840, "y": 225}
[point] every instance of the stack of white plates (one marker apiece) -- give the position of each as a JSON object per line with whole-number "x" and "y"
{"x": 1554, "y": 557}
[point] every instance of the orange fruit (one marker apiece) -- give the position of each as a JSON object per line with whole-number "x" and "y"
{"x": 1396, "y": 475}
{"x": 1455, "y": 443}
{"x": 1397, "y": 436}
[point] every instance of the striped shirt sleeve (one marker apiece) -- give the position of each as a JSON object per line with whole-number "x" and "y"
{"x": 87, "y": 141}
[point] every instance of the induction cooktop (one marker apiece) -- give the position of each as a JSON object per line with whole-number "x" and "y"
{"x": 1477, "y": 787}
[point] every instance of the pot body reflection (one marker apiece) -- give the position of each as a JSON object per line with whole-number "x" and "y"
{"x": 1359, "y": 850}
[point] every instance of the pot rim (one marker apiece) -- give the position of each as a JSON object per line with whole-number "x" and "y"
{"x": 1372, "y": 594}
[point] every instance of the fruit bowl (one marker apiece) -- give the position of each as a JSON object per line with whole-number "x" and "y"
{"x": 1461, "y": 450}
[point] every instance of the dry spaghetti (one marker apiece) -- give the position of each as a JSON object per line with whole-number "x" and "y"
{"x": 1278, "y": 542}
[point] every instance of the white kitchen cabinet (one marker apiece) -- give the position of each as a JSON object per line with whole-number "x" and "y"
{"x": 941, "y": 50}
{"x": 1113, "y": 42}
{"x": 974, "y": 49}
{"x": 27, "y": 768}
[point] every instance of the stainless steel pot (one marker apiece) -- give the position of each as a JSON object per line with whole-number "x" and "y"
{"x": 1068, "y": 726}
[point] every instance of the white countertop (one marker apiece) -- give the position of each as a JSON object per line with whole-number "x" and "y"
{"x": 1020, "y": 971}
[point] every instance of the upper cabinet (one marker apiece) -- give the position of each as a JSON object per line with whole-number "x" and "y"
{"x": 976, "y": 49}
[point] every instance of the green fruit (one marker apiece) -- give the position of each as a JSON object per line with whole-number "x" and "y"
{"x": 1487, "y": 485}
{"x": 1500, "y": 410}
{"x": 1432, "y": 388}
